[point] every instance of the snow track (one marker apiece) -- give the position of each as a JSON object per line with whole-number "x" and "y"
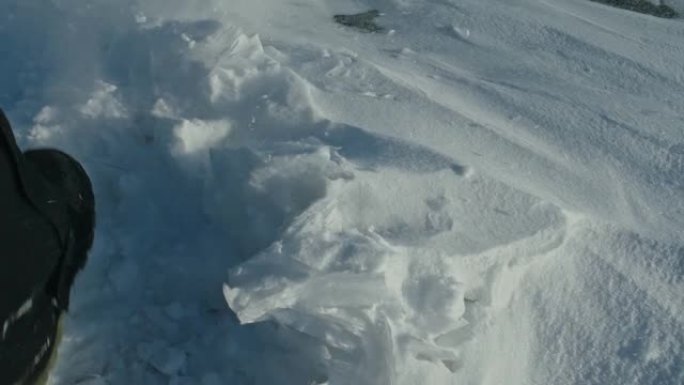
{"x": 487, "y": 193}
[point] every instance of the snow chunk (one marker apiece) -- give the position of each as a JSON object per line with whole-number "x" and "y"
{"x": 198, "y": 135}
{"x": 103, "y": 103}
{"x": 161, "y": 109}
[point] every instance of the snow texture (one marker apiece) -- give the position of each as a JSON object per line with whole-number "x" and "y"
{"x": 481, "y": 193}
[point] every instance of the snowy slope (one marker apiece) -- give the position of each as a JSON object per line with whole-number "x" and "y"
{"x": 486, "y": 192}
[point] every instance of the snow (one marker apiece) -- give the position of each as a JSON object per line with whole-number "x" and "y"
{"x": 484, "y": 193}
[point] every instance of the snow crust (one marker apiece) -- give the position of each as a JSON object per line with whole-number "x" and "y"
{"x": 486, "y": 193}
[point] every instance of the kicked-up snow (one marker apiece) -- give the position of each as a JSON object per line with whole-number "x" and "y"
{"x": 481, "y": 192}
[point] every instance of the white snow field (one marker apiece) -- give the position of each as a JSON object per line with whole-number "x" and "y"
{"x": 484, "y": 192}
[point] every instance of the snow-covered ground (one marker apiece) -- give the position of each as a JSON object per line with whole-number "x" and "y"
{"x": 486, "y": 192}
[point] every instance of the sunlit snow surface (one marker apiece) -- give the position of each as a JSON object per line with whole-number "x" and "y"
{"x": 487, "y": 192}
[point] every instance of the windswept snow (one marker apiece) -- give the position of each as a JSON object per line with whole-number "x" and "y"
{"x": 485, "y": 192}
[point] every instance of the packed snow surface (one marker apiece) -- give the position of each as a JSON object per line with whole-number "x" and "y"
{"x": 484, "y": 192}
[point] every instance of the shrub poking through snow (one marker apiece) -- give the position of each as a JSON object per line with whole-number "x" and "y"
{"x": 363, "y": 21}
{"x": 642, "y": 6}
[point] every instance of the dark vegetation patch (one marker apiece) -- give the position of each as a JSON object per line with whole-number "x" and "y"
{"x": 362, "y": 21}
{"x": 642, "y": 6}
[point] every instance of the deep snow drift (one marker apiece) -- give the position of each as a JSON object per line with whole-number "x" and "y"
{"x": 485, "y": 192}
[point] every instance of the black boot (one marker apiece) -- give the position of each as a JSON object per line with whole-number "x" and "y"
{"x": 69, "y": 177}
{"x": 47, "y": 218}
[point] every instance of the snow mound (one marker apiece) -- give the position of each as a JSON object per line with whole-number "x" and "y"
{"x": 481, "y": 193}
